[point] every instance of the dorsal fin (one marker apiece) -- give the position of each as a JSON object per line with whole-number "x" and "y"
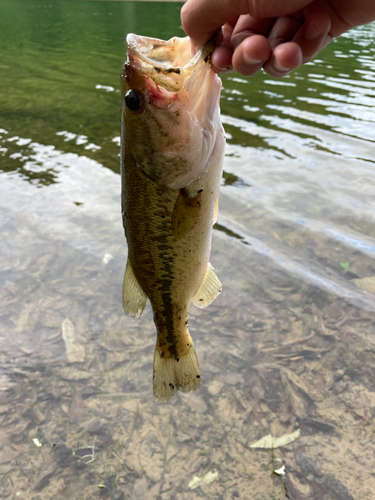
{"x": 134, "y": 299}
{"x": 209, "y": 289}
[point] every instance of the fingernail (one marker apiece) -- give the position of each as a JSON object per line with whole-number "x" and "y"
{"x": 228, "y": 69}
{"x": 251, "y": 62}
{"x": 279, "y": 67}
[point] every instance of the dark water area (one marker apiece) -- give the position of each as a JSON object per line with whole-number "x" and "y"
{"x": 287, "y": 350}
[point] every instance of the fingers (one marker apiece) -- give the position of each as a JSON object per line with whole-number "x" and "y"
{"x": 307, "y": 41}
{"x": 201, "y": 18}
{"x": 251, "y": 45}
{"x": 285, "y": 58}
{"x": 286, "y": 55}
{"x": 221, "y": 58}
{"x": 313, "y": 35}
{"x": 254, "y": 51}
{"x": 278, "y": 46}
{"x": 250, "y": 56}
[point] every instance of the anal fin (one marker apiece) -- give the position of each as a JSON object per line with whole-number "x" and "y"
{"x": 209, "y": 289}
{"x": 134, "y": 299}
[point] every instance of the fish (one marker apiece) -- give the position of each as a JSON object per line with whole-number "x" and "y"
{"x": 172, "y": 150}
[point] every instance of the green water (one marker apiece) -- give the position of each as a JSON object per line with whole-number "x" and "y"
{"x": 288, "y": 345}
{"x": 54, "y": 55}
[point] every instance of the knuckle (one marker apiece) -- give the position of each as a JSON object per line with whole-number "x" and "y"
{"x": 184, "y": 17}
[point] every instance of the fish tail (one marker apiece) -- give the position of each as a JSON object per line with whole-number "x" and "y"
{"x": 172, "y": 374}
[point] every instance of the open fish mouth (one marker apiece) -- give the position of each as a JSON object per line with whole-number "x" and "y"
{"x": 171, "y": 100}
{"x": 167, "y": 63}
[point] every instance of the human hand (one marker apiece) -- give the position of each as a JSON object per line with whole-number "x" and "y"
{"x": 275, "y": 35}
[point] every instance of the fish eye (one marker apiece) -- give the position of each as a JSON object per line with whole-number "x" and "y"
{"x": 134, "y": 100}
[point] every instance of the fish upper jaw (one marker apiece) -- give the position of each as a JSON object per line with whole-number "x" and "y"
{"x": 166, "y": 72}
{"x": 167, "y": 63}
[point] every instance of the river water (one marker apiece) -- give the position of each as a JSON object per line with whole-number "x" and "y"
{"x": 288, "y": 347}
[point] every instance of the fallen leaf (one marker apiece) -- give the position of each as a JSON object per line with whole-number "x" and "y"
{"x": 273, "y": 442}
{"x": 366, "y": 284}
{"x": 345, "y": 265}
{"x": 280, "y": 471}
{"x": 78, "y": 410}
{"x": 200, "y": 481}
{"x": 74, "y": 351}
{"x": 37, "y": 442}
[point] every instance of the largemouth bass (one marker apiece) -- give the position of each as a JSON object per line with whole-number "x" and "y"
{"x": 172, "y": 148}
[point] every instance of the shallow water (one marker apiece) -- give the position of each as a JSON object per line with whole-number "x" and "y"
{"x": 288, "y": 345}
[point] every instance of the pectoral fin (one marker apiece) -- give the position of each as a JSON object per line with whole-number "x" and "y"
{"x": 209, "y": 289}
{"x": 134, "y": 299}
{"x": 186, "y": 213}
{"x": 216, "y": 210}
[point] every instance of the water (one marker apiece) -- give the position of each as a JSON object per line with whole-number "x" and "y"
{"x": 288, "y": 345}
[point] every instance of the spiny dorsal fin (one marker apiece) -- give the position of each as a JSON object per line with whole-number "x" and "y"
{"x": 209, "y": 289}
{"x": 172, "y": 375}
{"x": 186, "y": 213}
{"x": 134, "y": 299}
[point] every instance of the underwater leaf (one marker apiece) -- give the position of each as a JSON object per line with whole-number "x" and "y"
{"x": 200, "y": 481}
{"x": 75, "y": 352}
{"x": 280, "y": 471}
{"x": 345, "y": 265}
{"x": 366, "y": 284}
{"x": 272, "y": 442}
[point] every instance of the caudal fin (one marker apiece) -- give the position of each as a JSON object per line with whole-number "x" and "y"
{"x": 175, "y": 374}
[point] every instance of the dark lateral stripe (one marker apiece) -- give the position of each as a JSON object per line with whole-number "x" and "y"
{"x": 167, "y": 261}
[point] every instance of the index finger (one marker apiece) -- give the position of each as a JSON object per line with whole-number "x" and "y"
{"x": 200, "y": 18}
